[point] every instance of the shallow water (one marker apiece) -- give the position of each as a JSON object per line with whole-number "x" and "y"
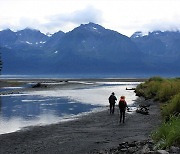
{"x": 52, "y": 106}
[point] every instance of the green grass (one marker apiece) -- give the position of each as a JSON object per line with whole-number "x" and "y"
{"x": 168, "y": 134}
{"x": 172, "y": 107}
{"x": 167, "y": 92}
{"x": 168, "y": 89}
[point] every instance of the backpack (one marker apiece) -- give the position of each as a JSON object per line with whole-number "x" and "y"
{"x": 122, "y": 104}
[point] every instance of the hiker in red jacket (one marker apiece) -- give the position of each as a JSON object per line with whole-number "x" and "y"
{"x": 122, "y": 108}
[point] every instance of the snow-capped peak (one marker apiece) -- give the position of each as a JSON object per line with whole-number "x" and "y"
{"x": 49, "y": 34}
{"x": 139, "y": 34}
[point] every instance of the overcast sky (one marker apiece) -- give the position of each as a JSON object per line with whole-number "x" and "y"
{"x": 124, "y": 16}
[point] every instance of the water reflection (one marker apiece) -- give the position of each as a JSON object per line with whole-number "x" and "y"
{"x": 52, "y": 106}
{"x": 21, "y": 111}
{"x": 29, "y": 107}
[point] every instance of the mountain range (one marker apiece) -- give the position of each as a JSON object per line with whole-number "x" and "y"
{"x": 162, "y": 49}
{"x": 90, "y": 49}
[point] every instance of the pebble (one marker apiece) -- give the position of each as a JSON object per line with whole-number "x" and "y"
{"x": 174, "y": 149}
{"x": 124, "y": 149}
{"x": 139, "y": 147}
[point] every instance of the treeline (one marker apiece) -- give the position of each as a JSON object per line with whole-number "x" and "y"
{"x": 167, "y": 92}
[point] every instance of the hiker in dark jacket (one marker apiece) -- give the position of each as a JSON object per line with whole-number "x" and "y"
{"x": 122, "y": 108}
{"x": 112, "y": 101}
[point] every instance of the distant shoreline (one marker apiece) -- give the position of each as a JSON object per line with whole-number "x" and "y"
{"x": 14, "y": 82}
{"x": 21, "y": 82}
{"x": 77, "y": 79}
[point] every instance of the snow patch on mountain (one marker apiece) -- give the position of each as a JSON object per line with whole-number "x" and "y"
{"x": 28, "y": 42}
{"x": 42, "y": 42}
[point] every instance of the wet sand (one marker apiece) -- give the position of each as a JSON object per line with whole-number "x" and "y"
{"x": 88, "y": 134}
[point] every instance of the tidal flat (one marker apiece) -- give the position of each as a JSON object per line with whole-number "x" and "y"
{"x": 86, "y": 130}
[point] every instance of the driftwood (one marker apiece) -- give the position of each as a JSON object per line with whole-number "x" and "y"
{"x": 143, "y": 109}
{"x": 39, "y": 85}
{"x": 130, "y": 88}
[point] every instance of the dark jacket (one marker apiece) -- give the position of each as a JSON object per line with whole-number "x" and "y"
{"x": 112, "y": 99}
{"x": 122, "y": 105}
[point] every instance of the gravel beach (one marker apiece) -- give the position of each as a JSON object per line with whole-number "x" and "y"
{"x": 88, "y": 134}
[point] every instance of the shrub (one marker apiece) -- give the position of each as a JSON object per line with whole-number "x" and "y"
{"x": 167, "y": 90}
{"x": 149, "y": 89}
{"x": 159, "y": 89}
{"x": 156, "y": 78}
{"x": 140, "y": 89}
{"x": 153, "y": 88}
{"x": 172, "y": 107}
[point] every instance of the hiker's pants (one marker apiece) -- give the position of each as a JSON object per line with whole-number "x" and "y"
{"x": 122, "y": 115}
{"x": 112, "y": 105}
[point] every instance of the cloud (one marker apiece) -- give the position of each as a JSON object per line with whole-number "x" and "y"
{"x": 89, "y": 14}
{"x": 65, "y": 21}
{"x": 125, "y": 17}
{"x": 20, "y": 24}
{"x": 163, "y": 25}
{"x": 54, "y": 23}
{"x": 28, "y": 22}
